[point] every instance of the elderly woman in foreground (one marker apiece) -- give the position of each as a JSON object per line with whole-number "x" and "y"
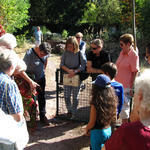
{"x": 10, "y": 98}
{"x": 135, "y": 135}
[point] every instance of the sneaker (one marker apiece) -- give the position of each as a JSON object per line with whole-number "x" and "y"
{"x": 44, "y": 120}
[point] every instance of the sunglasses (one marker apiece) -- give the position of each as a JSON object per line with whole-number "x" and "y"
{"x": 92, "y": 48}
{"x": 78, "y": 37}
{"x": 121, "y": 44}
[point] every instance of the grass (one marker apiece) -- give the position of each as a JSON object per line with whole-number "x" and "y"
{"x": 23, "y": 49}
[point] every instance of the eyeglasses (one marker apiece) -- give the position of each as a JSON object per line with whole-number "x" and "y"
{"x": 92, "y": 48}
{"x": 78, "y": 37}
{"x": 121, "y": 44}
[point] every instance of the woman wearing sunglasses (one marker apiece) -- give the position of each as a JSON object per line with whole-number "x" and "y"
{"x": 82, "y": 44}
{"x": 97, "y": 56}
{"x": 128, "y": 66}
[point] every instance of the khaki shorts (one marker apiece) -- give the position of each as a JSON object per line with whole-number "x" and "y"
{"x": 37, "y": 43}
{"x": 126, "y": 105}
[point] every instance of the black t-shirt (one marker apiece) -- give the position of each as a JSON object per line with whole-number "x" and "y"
{"x": 97, "y": 62}
{"x": 97, "y": 125}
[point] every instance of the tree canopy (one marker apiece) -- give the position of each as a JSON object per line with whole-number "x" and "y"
{"x": 103, "y": 12}
{"x": 64, "y": 14}
{"x": 14, "y": 14}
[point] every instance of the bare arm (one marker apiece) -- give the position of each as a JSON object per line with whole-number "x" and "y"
{"x": 46, "y": 64}
{"x": 42, "y": 37}
{"x": 93, "y": 116}
{"x": 90, "y": 69}
{"x": 103, "y": 148}
{"x": 17, "y": 116}
{"x": 31, "y": 82}
{"x": 132, "y": 82}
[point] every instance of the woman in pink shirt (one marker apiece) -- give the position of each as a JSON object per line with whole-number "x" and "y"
{"x": 128, "y": 66}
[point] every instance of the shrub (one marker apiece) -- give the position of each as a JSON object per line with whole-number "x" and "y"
{"x": 21, "y": 39}
{"x": 44, "y": 29}
{"x": 47, "y": 36}
{"x": 64, "y": 34}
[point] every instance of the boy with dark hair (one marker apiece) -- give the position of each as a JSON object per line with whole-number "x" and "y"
{"x": 110, "y": 69}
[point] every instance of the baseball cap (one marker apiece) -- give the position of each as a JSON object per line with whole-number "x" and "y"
{"x": 102, "y": 81}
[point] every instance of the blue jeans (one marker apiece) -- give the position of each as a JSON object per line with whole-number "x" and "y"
{"x": 99, "y": 137}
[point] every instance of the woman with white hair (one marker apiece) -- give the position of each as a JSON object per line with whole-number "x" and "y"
{"x": 9, "y": 41}
{"x": 135, "y": 135}
{"x": 10, "y": 98}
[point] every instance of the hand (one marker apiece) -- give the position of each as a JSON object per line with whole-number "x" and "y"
{"x": 33, "y": 86}
{"x": 71, "y": 73}
{"x": 87, "y": 132}
{"x": 90, "y": 69}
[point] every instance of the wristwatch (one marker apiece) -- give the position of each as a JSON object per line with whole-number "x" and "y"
{"x": 76, "y": 71}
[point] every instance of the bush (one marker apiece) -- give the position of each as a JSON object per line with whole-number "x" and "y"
{"x": 44, "y": 29}
{"x": 21, "y": 39}
{"x": 47, "y": 36}
{"x": 64, "y": 34}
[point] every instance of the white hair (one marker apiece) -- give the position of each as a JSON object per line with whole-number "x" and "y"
{"x": 8, "y": 58}
{"x": 8, "y": 40}
{"x": 143, "y": 82}
{"x": 21, "y": 66}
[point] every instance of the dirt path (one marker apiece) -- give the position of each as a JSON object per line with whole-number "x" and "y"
{"x": 61, "y": 134}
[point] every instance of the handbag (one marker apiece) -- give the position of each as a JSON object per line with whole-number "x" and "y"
{"x": 74, "y": 81}
{"x": 82, "y": 74}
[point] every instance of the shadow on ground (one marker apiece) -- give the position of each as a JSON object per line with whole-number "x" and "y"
{"x": 60, "y": 135}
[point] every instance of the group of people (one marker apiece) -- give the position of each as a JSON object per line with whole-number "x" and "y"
{"x": 110, "y": 96}
{"x": 34, "y": 62}
{"x": 111, "y": 93}
{"x": 133, "y": 135}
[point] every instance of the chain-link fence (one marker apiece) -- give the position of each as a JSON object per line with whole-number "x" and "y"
{"x": 82, "y": 113}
